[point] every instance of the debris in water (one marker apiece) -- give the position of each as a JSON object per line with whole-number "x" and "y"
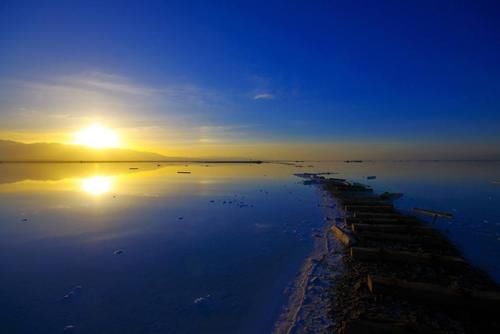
{"x": 200, "y": 300}
{"x": 371, "y": 177}
{"x": 118, "y": 252}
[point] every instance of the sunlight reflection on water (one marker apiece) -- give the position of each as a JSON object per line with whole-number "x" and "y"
{"x": 97, "y": 185}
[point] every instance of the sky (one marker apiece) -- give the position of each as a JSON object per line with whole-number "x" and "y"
{"x": 271, "y": 79}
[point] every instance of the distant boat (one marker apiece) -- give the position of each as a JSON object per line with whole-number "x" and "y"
{"x": 348, "y": 161}
{"x": 133, "y": 168}
{"x": 373, "y": 177}
{"x": 183, "y": 172}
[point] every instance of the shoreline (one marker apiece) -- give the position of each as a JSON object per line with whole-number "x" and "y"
{"x": 339, "y": 292}
{"x": 308, "y": 306}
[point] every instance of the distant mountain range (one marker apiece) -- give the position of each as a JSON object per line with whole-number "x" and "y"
{"x": 15, "y": 151}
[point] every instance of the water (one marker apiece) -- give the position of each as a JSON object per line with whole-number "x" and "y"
{"x": 210, "y": 251}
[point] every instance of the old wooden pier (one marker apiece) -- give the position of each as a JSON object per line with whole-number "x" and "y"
{"x": 401, "y": 274}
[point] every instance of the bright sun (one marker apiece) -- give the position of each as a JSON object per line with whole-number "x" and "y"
{"x": 97, "y": 136}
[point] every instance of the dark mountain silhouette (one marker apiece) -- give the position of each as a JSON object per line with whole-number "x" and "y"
{"x": 15, "y": 151}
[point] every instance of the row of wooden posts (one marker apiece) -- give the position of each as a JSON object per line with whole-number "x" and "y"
{"x": 371, "y": 225}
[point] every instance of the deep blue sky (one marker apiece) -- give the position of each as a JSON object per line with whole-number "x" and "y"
{"x": 326, "y": 71}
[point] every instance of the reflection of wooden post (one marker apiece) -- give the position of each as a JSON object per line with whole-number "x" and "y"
{"x": 434, "y": 214}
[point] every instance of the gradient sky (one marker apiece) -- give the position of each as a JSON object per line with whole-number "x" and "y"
{"x": 287, "y": 79}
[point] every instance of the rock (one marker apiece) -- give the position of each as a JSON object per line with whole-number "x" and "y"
{"x": 68, "y": 328}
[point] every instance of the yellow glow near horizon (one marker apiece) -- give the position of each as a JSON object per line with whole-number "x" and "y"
{"x": 97, "y": 185}
{"x": 97, "y": 136}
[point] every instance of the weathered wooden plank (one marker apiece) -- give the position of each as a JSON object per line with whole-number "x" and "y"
{"x": 433, "y": 213}
{"x": 358, "y": 326}
{"x": 392, "y": 221}
{"x": 342, "y": 236}
{"x": 392, "y": 228}
{"x": 409, "y": 238}
{"x": 361, "y": 214}
{"x": 433, "y": 293}
{"x": 381, "y": 254}
{"x": 376, "y": 208}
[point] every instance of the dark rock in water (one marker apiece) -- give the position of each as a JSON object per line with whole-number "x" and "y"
{"x": 118, "y": 252}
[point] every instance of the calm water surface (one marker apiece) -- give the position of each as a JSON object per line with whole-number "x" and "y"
{"x": 109, "y": 249}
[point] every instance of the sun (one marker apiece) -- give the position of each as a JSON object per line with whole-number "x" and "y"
{"x": 97, "y": 136}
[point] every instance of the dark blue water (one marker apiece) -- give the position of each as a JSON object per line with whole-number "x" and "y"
{"x": 152, "y": 251}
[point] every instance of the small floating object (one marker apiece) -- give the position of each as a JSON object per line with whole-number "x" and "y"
{"x": 434, "y": 214}
{"x": 183, "y": 172}
{"x": 25, "y": 219}
{"x": 371, "y": 177}
{"x": 180, "y": 218}
{"x": 200, "y": 300}
{"x": 212, "y": 201}
{"x": 133, "y": 168}
{"x": 118, "y": 252}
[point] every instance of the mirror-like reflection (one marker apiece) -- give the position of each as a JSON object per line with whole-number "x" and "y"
{"x": 209, "y": 251}
{"x": 97, "y": 185}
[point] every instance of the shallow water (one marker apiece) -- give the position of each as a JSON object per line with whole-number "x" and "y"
{"x": 210, "y": 251}
{"x": 109, "y": 249}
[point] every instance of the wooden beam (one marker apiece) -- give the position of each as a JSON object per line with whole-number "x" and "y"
{"x": 342, "y": 236}
{"x": 392, "y": 228}
{"x": 421, "y": 239}
{"x": 393, "y": 221}
{"x": 360, "y": 214}
{"x": 434, "y": 293}
{"x": 433, "y": 213}
{"x": 359, "y": 326}
{"x": 381, "y": 254}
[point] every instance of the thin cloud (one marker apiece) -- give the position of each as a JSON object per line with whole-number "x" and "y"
{"x": 264, "y": 96}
